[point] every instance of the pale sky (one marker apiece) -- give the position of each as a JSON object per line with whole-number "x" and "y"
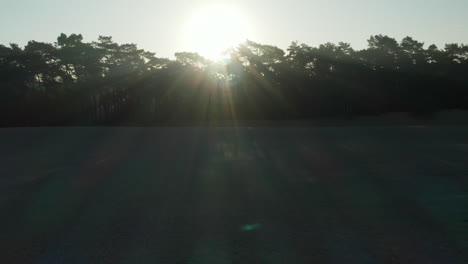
{"x": 160, "y": 26}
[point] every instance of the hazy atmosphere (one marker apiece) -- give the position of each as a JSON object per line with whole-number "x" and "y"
{"x": 225, "y": 132}
{"x": 162, "y": 26}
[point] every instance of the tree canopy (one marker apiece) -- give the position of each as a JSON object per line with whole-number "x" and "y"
{"x": 72, "y": 82}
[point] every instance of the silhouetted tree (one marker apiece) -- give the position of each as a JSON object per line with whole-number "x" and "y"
{"x": 103, "y": 82}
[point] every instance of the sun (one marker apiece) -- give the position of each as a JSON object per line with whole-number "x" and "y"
{"x": 214, "y": 29}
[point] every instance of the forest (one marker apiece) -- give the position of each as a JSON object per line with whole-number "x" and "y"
{"x": 72, "y": 82}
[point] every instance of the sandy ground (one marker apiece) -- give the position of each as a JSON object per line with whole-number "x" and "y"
{"x": 380, "y": 194}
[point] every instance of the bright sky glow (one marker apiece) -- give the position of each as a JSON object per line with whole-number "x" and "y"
{"x": 166, "y": 27}
{"x": 213, "y": 29}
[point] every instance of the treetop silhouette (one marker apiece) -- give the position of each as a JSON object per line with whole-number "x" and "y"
{"x": 73, "y": 82}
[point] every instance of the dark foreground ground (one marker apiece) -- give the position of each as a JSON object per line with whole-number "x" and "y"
{"x": 377, "y": 194}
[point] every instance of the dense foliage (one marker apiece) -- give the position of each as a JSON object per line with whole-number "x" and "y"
{"x": 72, "y": 82}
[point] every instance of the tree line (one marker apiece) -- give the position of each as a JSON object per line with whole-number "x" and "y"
{"x": 72, "y": 82}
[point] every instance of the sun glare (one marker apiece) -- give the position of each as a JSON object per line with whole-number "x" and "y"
{"x": 212, "y": 30}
